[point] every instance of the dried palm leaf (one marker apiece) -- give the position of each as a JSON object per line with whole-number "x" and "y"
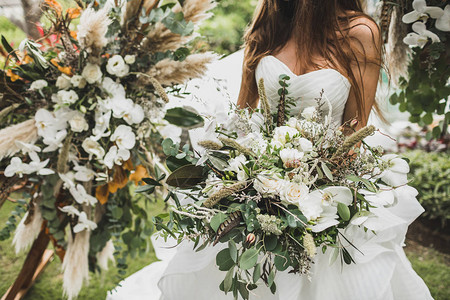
{"x": 25, "y": 132}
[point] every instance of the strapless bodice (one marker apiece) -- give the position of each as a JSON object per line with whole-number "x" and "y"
{"x": 305, "y": 88}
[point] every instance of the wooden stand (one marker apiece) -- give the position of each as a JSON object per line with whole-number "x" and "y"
{"x": 36, "y": 260}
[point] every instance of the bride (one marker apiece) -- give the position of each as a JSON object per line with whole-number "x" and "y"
{"x": 322, "y": 45}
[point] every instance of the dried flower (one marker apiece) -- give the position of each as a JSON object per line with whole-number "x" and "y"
{"x": 92, "y": 29}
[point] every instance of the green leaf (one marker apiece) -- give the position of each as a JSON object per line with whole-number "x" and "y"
{"x": 186, "y": 176}
{"x": 217, "y": 220}
{"x": 8, "y": 48}
{"x": 257, "y": 273}
{"x": 145, "y": 188}
{"x": 292, "y": 222}
{"x": 151, "y": 181}
{"x": 218, "y": 163}
{"x": 249, "y": 259}
{"x": 223, "y": 260}
{"x": 228, "y": 281}
{"x": 233, "y": 250}
{"x": 270, "y": 242}
{"x": 243, "y": 290}
{"x": 181, "y": 117}
{"x": 281, "y": 261}
{"x": 327, "y": 172}
{"x": 271, "y": 277}
{"x": 343, "y": 211}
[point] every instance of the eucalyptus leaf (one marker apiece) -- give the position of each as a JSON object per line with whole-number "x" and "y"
{"x": 249, "y": 259}
{"x": 217, "y": 220}
{"x": 223, "y": 260}
{"x": 256, "y": 273}
{"x": 186, "y": 176}
{"x": 343, "y": 211}
{"x": 228, "y": 281}
{"x": 327, "y": 171}
{"x": 233, "y": 250}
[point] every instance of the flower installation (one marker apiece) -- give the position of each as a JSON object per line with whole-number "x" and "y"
{"x": 79, "y": 115}
{"x": 275, "y": 190}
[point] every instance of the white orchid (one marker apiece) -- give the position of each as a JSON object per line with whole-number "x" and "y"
{"x": 44, "y": 120}
{"x": 126, "y": 109}
{"x": 236, "y": 165}
{"x": 116, "y": 156}
{"x": 124, "y": 137}
{"x": 53, "y": 140}
{"x": 38, "y": 166}
{"x": 70, "y": 210}
{"x": 422, "y": 12}
{"x": 83, "y": 173}
{"x": 84, "y": 223}
{"x": 267, "y": 186}
{"x": 113, "y": 88}
{"x": 282, "y": 134}
{"x": 101, "y": 125}
{"x": 396, "y": 170}
{"x": 26, "y": 147}
{"x": 309, "y": 113}
{"x": 68, "y": 180}
{"x": 80, "y": 195}
{"x": 303, "y": 144}
{"x": 92, "y": 147}
{"x": 420, "y": 36}
{"x": 321, "y": 206}
{"x": 385, "y": 196}
{"x": 15, "y": 167}
{"x": 443, "y": 22}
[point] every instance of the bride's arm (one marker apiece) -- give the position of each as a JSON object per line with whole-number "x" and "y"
{"x": 366, "y": 44}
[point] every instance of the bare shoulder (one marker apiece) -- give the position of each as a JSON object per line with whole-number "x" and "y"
{"x": 364, "y": 29}
{"x": 365, "y": 36}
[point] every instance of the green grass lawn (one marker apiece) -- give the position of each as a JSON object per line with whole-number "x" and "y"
{"x": 432, "y": 266}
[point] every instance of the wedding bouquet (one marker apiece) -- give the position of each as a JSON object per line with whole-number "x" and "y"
{"x": 81, "y": 110}
{"x": 278, "y": 189}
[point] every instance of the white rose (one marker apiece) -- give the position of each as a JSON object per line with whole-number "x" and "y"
{"x": 117, "y": 66}
{"x": 63, "y": 82}
{"x": 78, "y": 122}
{"x": 280, "y": 134}
{"x": 67, "y": 97}
{"x": 38, "y": 85}
{"x": 78, "y": 81}
{"x": 267, "y": 186}
{"x": 289, "y": 156}
{"x": 309, "y": 113}
{"x": 293, "y": 193}
{"x": 92, "y": 73}
{"x": 130, "y": 59}
{"x": 93, "y": 148}
{"x": 292, "y": 122}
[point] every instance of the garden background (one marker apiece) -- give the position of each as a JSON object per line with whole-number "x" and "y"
{"x": 428, "y": 240}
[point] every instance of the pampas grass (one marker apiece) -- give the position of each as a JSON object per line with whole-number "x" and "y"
{"x": 24, "y": 132}
{"x": 169, "y": 72}
{"x": 106, "y": 255}
{"x": 92, "y": 29}
{"x": 161, "y": 39}
{"x": 28, "y": 229}
{"x": 75, "y": 265}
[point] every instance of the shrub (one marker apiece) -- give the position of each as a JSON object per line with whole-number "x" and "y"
{"x": 430, "y": 175}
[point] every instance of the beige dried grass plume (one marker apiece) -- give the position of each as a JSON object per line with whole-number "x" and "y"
{"x": 169, "y": 72}
{"x": 76, "y": 265}
{"x": 24, "y": 132}
{"x": 28, "y": 229}
{"x": 161, "y": 39}
{"x": 92, "y": 29}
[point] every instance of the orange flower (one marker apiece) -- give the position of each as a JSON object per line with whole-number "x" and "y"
{"x": 65, "y": 70}
{"x": 74, "y": 34}
{"x": 27, "y": 59}
{"x": 12, "y": 75}
{"x": 120, "y": 180}
{"x": 73, "y": 12}
{"x": 53, "y": 4}
{"x": 139, "y": 173}
{"x": 128, "y": 165}
{"x": 102, "y": 193}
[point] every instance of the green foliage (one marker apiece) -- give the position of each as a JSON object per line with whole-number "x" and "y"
{"x": 426, "y": 90}
{"x": 183, "y": 118}
{"x": 430, "y": 175}
{"x": 226, "y": 28}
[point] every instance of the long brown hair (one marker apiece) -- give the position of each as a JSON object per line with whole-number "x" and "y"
{"x": 320, "y": 28}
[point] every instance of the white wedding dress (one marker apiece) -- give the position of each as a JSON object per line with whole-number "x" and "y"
{"x": 381, "y": 272}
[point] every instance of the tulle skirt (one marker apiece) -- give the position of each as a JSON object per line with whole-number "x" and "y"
{"x": 382, "y": 270}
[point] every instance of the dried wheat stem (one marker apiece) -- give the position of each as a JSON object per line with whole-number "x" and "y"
{"x": 264, "y": 102}
{"x": 232, "y": 143}
{"x": 223, "y": 193}
{"x": 353, "y": 139}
